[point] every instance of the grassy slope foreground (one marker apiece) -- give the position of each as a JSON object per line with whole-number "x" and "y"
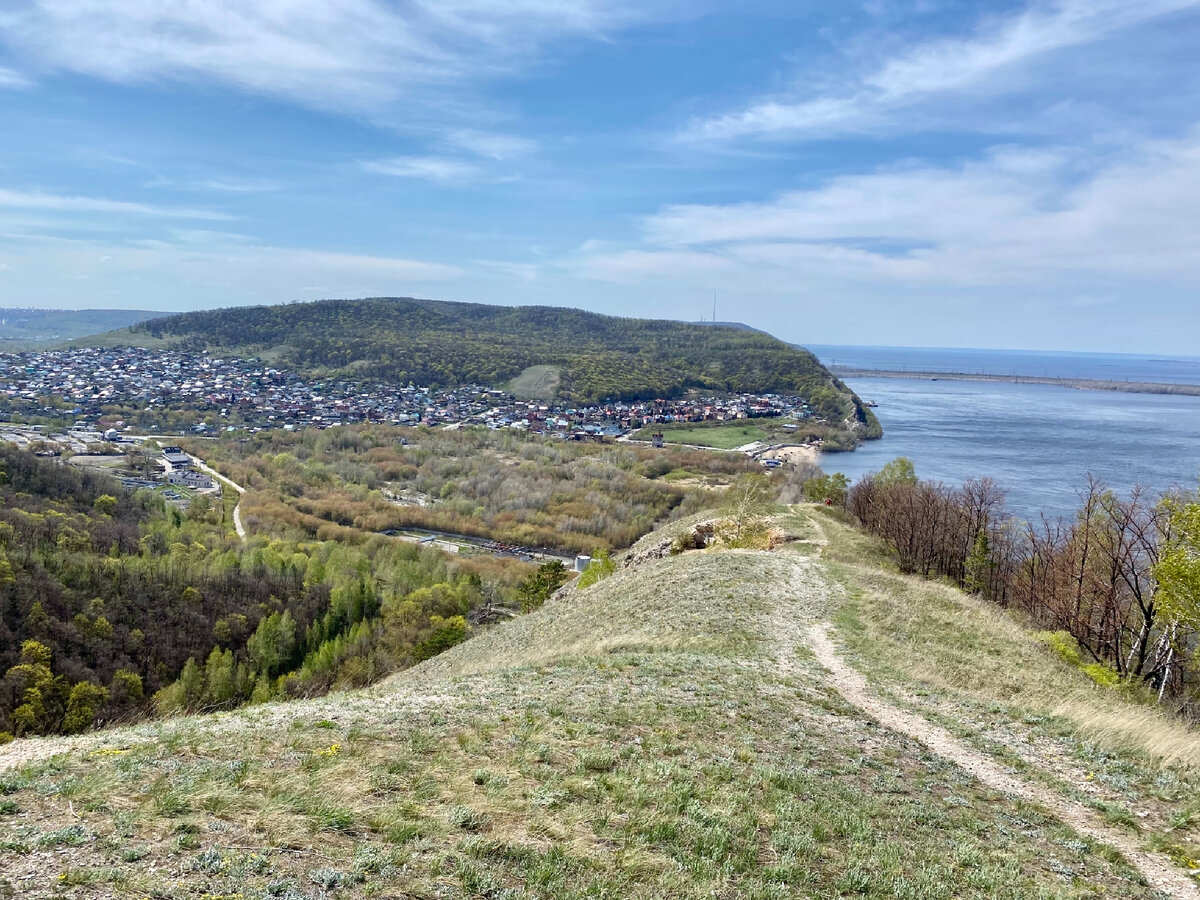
{"x": 667, "y": 732}
{"x": 580, "y": 355}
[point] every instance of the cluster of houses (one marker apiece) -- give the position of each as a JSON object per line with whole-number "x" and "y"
{"x": 102, "y": 384}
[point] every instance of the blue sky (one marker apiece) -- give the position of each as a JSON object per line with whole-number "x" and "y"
{"x": 921, "y": 172}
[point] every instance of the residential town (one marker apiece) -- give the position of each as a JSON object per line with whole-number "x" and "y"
{"x": 108, "y": 392}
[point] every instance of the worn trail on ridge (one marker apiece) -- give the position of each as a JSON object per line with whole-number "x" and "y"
{"x": 1158, "y": 870}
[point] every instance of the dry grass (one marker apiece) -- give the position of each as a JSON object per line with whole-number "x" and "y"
{"x": 938, "y": 635}
{"x": 982, "y": 673}
{"x": 634, "y": 739}
{"x": 698, "y": 602}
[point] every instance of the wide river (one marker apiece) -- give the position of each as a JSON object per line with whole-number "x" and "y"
{"x": 1037, "y": 441}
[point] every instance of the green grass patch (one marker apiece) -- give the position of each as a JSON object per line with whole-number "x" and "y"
{"x": 718, "y": 435}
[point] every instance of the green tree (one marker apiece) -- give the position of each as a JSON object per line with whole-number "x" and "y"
{"x": 263, "y": 689}
{"x": 444, "y": 634}
{"x": 827, "y": 488}
{"x": 978, "y": 567}
{"x": 1178, "y": 568}
{"x": 541, "y": 585}
{"x": 1178, "y": 575}
{"x": 84, "y": 701}
{"x": 273, "y": 643}
{"x": 747, "y": 504}
{"x": 900, "y": 471}
{"x": 105, "y": 504}
{"x": 37, "y": 687}
{"x": 126, "y": 687}
{"x": 219, "y": 685}
{"x": 191, "y": 685}
{"x": 601, "y": 566}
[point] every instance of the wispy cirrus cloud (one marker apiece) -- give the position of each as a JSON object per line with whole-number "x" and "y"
{"x": 207, "y": 268}
{"x": 342, "y": 55}
{"x": 67, "y": 203}
{"x": 490, "y": 145}
{"x": 233, "y": 185}
{"x": 945, "y": 66}
{"x": 10, "y": 78}
{"x": 439, "y": 169}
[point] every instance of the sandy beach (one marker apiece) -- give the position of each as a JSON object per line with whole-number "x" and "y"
{"x": 795, "y": 454}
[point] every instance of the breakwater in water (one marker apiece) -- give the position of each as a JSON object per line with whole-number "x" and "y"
{"x": 1079, "y": 384}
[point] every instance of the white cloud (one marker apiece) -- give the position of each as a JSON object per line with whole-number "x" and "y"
{"x": 78, "y": 204}
{"x": 938, "y": 67}
{"x": 356, "y": 55}
{"x": 489, "y": 144}
{"x": 240, "y": 185}
{"x": 5, "y": 267}
{"x": 1028, "y": 223}
{"x": 12, "y": 79}
{"x": 637, "y": 267}
{"x": 428, "y": 168}
{"x": 908, "y": 204}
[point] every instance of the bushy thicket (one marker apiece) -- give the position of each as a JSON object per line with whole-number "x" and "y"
{"x": 502, "y": 485}
{"x": 1093, "y": 577}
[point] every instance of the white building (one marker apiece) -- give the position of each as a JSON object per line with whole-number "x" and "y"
{"x": 190, "y": 479}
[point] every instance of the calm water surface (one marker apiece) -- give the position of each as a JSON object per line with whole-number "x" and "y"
{"x": 1037, "y": 363}
{"x": 1037, "y": 441}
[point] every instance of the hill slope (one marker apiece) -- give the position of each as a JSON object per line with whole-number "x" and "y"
{"x": 690, "y": 727}
{"x": 439, "y": 344}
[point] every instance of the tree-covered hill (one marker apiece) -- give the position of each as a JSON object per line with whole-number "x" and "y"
{"x": 439, "y": 344}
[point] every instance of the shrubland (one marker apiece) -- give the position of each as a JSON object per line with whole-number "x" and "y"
{"x": 1114, "y": 587}
{"x": 502, "y": 485}
{"x": 115, "y": 605}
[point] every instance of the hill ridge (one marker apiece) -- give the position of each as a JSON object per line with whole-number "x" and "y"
{"x": 682, "y": 727}
{"x": 439, "y": 343}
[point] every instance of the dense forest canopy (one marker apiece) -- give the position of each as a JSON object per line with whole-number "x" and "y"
{"x": 439, "y": 344}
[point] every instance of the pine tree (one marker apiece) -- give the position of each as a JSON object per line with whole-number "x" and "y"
{"x": 979, "y": 564}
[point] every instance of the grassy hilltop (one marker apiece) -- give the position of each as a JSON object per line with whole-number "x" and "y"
{"x": 559, "y": 352}
{"x": 799, "y": 722}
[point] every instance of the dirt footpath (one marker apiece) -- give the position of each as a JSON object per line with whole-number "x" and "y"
{"x": 1156, "y": 868}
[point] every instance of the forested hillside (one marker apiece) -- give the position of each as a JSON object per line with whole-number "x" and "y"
{"x": 107, "y": 598}
{"x": 437, "y": 343}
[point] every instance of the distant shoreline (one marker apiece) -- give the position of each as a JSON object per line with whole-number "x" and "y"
{"x": 1080, "y": 384}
